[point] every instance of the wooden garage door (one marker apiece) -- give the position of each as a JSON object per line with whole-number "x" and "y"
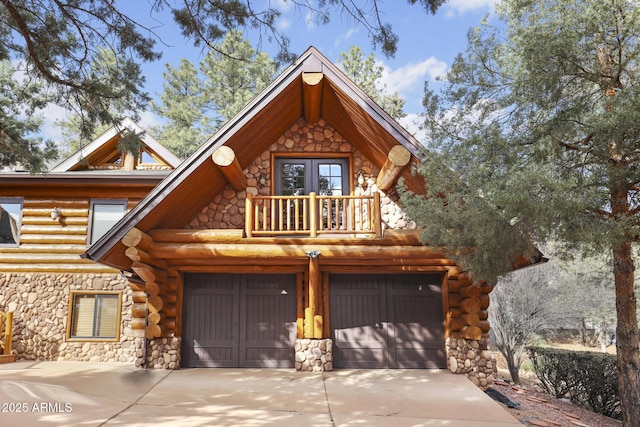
{"x": 233, "y": 320}
{"x": 387, "y": 321}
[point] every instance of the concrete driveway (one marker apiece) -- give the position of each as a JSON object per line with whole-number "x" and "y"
{"x": 118, "y": 394}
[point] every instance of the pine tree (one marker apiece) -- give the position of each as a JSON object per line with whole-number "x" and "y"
{"x": 185, "y": 106}
{"x": 196, "y": 104}
{"x": 21, "y": 99}
{"x": 540, "y": 125}
{"x": 366, "y": 75}
{"x": 234, "y": 74}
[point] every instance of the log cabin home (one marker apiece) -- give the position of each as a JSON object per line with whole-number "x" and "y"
{"x": 281, "y": 243}
{"x": 62, "y": 306}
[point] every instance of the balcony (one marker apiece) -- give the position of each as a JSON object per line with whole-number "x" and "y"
{"x": 313, "y": 215}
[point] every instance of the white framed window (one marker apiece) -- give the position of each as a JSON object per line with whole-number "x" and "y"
{"x": 10, "y": 220}
{"x": 104, "y": 214}
{"x": 94, "y": 316}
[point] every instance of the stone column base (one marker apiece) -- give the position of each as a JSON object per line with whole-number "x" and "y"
{"x": 161, "y": 353}
{"x": 315, "y": 355}
{"x": 473, "y": 359}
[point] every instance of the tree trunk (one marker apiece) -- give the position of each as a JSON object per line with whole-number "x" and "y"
{"x": 512, "y": 365}
{"x": 628, "y": 351}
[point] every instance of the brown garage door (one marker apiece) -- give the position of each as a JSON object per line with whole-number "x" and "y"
{"x": 387, "y": 321}
{"x": 233, "y": 320}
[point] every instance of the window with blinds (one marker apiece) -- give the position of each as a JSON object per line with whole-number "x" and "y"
{"x": 95, "y": 316}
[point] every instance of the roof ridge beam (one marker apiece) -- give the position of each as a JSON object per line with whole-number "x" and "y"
{"x": 312, "y": 96}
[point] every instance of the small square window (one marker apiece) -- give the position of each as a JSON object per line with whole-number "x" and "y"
{"x": 94, "y": 316}
{"x": 105, "y": 213}
{"x": 10, "y": 220}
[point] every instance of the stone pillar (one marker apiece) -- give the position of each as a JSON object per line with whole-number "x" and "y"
{"x": 315, "y": 355}
{"x": 161, "y": 353}
{"x": 472, "y": 358}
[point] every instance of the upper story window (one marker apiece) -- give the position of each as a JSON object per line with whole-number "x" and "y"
{"x": 300, "y": 176}
{"x": 10, "y": 220}
{"x": 103, "y": 215}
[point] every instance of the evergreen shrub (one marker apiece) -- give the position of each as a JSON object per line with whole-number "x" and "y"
{"x": 587, "y": 378}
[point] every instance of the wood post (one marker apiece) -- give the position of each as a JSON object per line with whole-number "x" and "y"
{"x": 248, "y": 215}
{"x": 397, "y": 159}
{"x": 376, "y": 215}
{"x": 226, "y": 160}
{"x": 313, "y": 214}
{"x": 312, "y": 96}
{"x": 313, "y": 313}
{"x": 8, "y": 331}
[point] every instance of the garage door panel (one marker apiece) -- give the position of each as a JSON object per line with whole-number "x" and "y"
{"x": 208, "y": 334}
{"x": 356, "y": 304}
{"x": 268, "y": 327}
{"x": 387, "y": 321}
{"x": 239, "y": 320}
{"x": 417, "y": 335}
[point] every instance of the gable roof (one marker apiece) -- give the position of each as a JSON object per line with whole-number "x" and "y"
{"x": 332, "y": 96}
{"x": 105, "y": 147}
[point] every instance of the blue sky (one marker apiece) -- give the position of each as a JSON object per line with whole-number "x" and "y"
{"x": 427, "y": 47}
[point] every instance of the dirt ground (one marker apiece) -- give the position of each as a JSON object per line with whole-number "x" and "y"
{"x": 540, "y": 409}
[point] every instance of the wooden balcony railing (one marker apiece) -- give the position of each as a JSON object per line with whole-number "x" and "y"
{"x": 312, "y": 215}
{"x": 6, "y": 332}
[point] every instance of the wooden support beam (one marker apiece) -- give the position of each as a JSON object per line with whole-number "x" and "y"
{"x": 312, "y": 96}
{"x": 270, "y": 251}
{"x": 196, "y": 236}
{"x": 137, "y": 238}
{"x": 397, "y": 159}
{"x": 226, "y": 160}
{"x": 129, "y": 161}
{"x": 155, "y": 304}
{"x": 315, "y": 296}
{"x": 138, "y": 255}
{"x": 149, "y": 273}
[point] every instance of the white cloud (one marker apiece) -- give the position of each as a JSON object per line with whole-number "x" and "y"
{"x": 284, "y": 24}
{"x": 413, "y": 123}
{"x": 410, "y": 77}
{"x": 282, "y": 5}
{"x": 458, "y": 7}
{"x": 344, "y": 37}
{"x": 149, "y": 119}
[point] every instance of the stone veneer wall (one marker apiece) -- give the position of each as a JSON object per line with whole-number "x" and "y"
{"x": 226, "y": 210}
{"x": 473, "y": 359}
{"x": 40, "y": 303}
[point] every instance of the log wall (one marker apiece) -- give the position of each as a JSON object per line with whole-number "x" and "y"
{"x": 467, "y": 307}
{"x": 55, "y": 246}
